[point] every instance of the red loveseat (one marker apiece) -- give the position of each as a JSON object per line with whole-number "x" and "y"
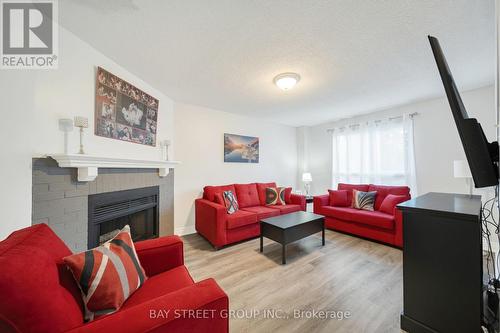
{"x": 39, "y": 294}
{"x": 376, "y": 225}
{"x": 220, "y": 228}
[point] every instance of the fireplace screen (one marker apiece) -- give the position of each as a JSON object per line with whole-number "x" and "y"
{"x": 110, "y": 212}
{"x": 141, "y": 226}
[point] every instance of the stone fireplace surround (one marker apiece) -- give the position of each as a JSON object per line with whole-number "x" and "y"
{"x": 60, "y": 201}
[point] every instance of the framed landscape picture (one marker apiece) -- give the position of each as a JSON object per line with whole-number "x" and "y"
{"x": 124, "y": 112}
{"x": 241, "y": 149}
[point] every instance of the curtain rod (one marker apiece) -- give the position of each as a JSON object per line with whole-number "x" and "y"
{"x": 411, "y": 115}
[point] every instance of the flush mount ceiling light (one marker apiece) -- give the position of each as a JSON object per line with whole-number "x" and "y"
{"x": 286, "y": 81}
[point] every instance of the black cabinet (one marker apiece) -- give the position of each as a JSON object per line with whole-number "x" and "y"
{"x": 442, "y": 263}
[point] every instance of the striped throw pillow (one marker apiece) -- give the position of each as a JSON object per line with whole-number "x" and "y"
{"x": 107, "y": 275}
{"x": 363, "y": 200}
{"x": 230, "y": 202}
{"x": 275, "y": 196}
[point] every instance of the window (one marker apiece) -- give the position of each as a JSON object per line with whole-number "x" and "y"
{"x": 377, "y": 152}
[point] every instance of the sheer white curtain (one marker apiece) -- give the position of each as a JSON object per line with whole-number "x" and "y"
{"x": 377, "y": 152}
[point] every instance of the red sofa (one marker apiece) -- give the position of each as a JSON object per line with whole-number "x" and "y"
{"x": 39, "y": 294}
{"x": 220, "y": 228}
{"x": 376, "y": 225}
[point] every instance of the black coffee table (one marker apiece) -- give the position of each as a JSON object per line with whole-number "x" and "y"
{"x": 288, "y": 228}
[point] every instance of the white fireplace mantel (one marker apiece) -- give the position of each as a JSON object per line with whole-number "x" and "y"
{"x": 88, "y": 166}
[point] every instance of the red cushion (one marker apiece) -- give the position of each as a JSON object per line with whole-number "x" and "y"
{"x": 339, "y": 198}
{"x": 350, "y": 187}
{"x": 383, "y": 191}
{"x": 288, "y": 195}
{"x": 209, "y": 192}
{"x": 107, "y": 274}
{"x": 160, "y": 254}
{"x": 341, "y": 213}
{"x": 261, "y": 189}
{"x": 241, "y": 218}
{"x": 373, "y": 218}
{"x": 219, "y": 199}
{"x": 263, "y": 212}
{"x": 159, "y": 285}
{"x": 285, "y": 209}
{"x": 390, "y": 203}
{"x": 247, "y": 195}
{"x": 38, "y": 292}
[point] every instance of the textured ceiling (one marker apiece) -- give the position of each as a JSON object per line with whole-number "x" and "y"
{"x": 354, "y": 56}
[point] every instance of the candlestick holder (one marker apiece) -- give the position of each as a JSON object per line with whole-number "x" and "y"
{"x": 81, "y": 122}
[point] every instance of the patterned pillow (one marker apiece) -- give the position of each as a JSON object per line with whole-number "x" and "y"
{"x": 230, "y": 202}
{"x": 275, "y": 196}
{"x": 363, "y": 200}
{"x": 107, "y": 275}
{"x": 288, "y": 195}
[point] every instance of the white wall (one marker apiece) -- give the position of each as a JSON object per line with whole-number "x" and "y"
{"x": 32, "y": 101}
{"x": 199, "y": 138}
{"x": 16, "y": 125}
{"x": 437, "y": 142}
{"x": 70, "y": 91}
{"x": 302, "y": 155}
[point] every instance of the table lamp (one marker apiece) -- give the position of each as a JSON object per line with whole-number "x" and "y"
{"x": 66, "y": 126}
{"x": 81, "y": 122}
{"x": 164, "y": 149}
{"x": 307, "y": 179}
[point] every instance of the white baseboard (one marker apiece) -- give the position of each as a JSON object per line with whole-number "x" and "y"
{"x": 186, "y": 230}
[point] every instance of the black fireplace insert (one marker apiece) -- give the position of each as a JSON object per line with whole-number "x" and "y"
{"x": 110, "y": 212}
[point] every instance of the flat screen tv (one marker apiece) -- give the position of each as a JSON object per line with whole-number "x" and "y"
{"x": 482, "y": 155}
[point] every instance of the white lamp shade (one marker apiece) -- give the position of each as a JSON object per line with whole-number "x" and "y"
{"x": 81, "y": 122}
{"x": 461, "y": 169}
{"x": 66, "y": 125}
{"x": 306, "y": 177}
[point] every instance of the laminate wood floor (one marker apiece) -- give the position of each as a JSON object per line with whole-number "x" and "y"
{"x": 347, "y": 274}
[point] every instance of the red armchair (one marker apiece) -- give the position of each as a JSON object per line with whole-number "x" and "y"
{"x": 376, "y": 225}
{"x": 38, "y": 294}
{"x": 220, "y": 228}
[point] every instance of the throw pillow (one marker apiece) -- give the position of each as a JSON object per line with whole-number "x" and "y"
{"x": 230, "y": 202}
{"x": 390, "y": 202}
{"x": 288, "y": 195}
{"x": 363, "y": 200}
{"x": 275, "y": 196}
{"x": 218, "y": 199}
{"x": 339, "y": 198}
{"x": 107, "y": 275}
